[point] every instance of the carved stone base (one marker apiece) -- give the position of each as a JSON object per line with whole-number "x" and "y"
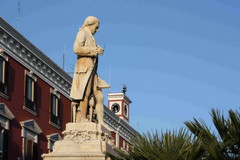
{"x": 82, "y": 141}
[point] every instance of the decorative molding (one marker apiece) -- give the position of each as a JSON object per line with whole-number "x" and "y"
{"x": 55, "y": 92}
{"x": 5, "y": 116}
{"x": 19, "y": 48}
{"x": 77, "y": 136}
{"x": 30, "y": 130}
{"x": 53, "y": 138}
{"x": 3, "y": 55}
{"x": 85, "y": 132}
{"x": 30, "y": 74}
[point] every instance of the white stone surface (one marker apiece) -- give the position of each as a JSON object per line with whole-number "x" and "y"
{"x": 82, "y": 141}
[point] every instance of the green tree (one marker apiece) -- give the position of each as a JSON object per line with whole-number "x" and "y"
{"x": 171, "y": 145}
{"x": 223, "y": 144}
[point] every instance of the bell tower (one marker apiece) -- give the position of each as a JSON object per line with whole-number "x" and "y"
{"x": 119, "y": 103}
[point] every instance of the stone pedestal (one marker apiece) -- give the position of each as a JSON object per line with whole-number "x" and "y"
{"x": 82, "y": 141}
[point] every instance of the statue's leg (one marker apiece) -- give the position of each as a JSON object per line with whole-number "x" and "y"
{"x": 91, "y": 105}
{"x": 84, "y": 103}
{"x": 99, "y": 106}
{"x": 99, "y": 102}
{"x": 74, "y": 111}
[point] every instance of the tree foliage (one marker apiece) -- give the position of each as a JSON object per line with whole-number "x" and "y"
{"x": 223, "y": 144}
{"x": 171, "y": 145}
{"x": 200, "y": 144}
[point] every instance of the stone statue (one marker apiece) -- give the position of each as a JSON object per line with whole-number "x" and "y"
{"x": 86, "y": 94}
{"x": 84, "y": 139}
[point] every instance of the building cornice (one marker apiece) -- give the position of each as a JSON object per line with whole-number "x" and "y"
{"x": 33, "y": 59}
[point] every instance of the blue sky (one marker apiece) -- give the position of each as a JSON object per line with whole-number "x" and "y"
{"x": 178, "y": 58}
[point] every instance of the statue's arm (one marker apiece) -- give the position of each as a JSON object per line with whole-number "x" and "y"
{"x": 80, "y": 48}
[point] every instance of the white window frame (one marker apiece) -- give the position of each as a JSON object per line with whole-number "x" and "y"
{"x": 3, "y": 80}
{"x": 5, "y": 58}
{"x": 30, "y": 75}
{"x": 52, "y": 138}
{"x": 30, "y": 130}
{"x": 55, "y": 93}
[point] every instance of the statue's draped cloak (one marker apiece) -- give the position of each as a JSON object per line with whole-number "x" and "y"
{"x": 86, "y": 65}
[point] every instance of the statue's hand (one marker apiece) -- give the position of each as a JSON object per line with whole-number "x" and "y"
{"x": 100, "y": 50}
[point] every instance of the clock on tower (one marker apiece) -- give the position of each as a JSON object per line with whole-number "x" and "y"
{"x": 118, "y": 103}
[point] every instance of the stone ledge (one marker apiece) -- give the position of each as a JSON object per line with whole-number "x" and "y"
{"x": 75, "y": 156}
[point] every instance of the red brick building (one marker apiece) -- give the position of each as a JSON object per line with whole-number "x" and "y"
{"x": 35, "y": 103}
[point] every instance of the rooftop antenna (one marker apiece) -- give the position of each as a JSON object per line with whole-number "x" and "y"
{"x": 64, "y": 56}
{"x": 19, "y": 12}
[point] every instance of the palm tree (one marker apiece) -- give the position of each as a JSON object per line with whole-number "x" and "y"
{"x": 225, "y": 143}
{"x": 171, "y": 145}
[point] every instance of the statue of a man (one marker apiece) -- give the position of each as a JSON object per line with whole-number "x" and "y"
{"x": 86, "y": 84}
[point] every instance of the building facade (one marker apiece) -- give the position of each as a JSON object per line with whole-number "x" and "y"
{"x": 35, "y": 103}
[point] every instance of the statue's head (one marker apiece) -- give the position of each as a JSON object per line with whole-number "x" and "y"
{"x": 92, "y": 23}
